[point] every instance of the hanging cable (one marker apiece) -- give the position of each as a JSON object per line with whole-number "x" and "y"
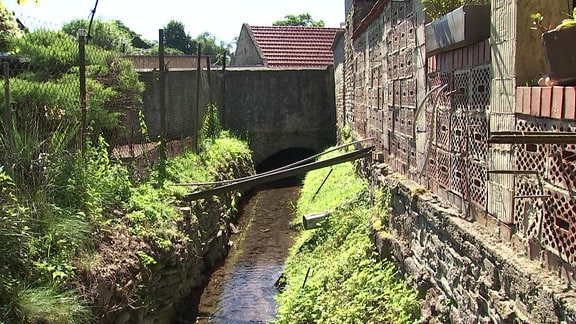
{"x": 91, "y": 20}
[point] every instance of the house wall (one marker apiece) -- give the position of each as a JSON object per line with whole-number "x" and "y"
{"x": 487, "y": 260}
{"x": 246, "y": 52}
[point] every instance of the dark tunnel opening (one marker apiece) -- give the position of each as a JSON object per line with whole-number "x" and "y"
{"x": 283, "y": 158}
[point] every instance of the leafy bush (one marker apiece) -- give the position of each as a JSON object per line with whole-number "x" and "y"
{"x": 332, "y": 274}
{"x": 437, "y": 8}
{"x": 47, "y": 89}
{"x": 14, "y": 239}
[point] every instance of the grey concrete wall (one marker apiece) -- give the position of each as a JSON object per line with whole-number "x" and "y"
{"x": 276, "y": 109}
{"x": 181, "y": 113}
{"x": 282, "y": 109}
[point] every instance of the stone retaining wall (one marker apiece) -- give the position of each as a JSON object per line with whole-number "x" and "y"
{"x": 464, "y": 273}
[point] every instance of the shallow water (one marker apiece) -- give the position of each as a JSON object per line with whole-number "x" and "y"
{"x": 242, "y": 289}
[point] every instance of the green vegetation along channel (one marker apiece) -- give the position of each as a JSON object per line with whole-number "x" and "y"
{"x": 329, "y": 275}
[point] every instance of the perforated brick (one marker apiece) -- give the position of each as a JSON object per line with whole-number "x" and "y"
{"x": 458, "y": 138}
{"x": 409, "y": 122}
{"x": 478, "y": 136}
{"x": 457, "y": 181}
{"x": 391, "y": 119}
{"x": 562, "y": 166}
{"x": 408, "y": 87}
{"x": 441, "y": 78}
{"x": 528, "y": 211}
{"x": 477, "y": 178}
{"x": 400, "y": 9}
{"x": 442, "y": 167}
{"x": 402, "y": 36}
{"x": 391, "y": 147}
{"x": 460, "y": 98}
{"x": 401, "y": 65}
{"x": 531, "y": 157}
{"x": 480, "y": 78}
{"x": 397, "y": 93}
{"x": 559, "y": 225}
{"x": 410, "y": 33}
{"x": 443, "y": 129}
{"x": 390, "y": 93}
{"x": 431, "y": 163}
{"x": 412, "y": 162}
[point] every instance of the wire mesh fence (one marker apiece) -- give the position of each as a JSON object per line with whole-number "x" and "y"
{"x": 60, "y": 85}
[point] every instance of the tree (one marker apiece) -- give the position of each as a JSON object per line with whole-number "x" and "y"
{"x": 8, "y": 28}
{"x": 176, "y": 37}
{"x": 137, "y": 40}
{"x": 110, "y": 35}
{"x": 209, "y": 46}
{"x": 301, "y": 20}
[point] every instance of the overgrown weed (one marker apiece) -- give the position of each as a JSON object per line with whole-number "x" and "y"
{"x": 332, "y": 274}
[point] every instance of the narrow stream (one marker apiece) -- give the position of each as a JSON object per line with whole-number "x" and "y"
{"x": 242, "y": 289}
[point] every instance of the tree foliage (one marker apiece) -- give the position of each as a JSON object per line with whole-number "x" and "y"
{"x": 8, "y": 28}
{"x": 301, "y": 20}
{"x": 110, "y": 35}
{"x": 176, "y": 37}
{"x": 47, "y": 93}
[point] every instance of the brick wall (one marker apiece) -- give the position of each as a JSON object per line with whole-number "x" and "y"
{"x": 440, "y": 141}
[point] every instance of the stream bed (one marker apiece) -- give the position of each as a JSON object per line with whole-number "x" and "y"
{"x": 242, "y": 289}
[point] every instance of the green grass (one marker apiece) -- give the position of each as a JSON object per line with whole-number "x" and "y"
{"x": 346, "y": 283}
{"x": 48, "y": 225}
{"x": 48, "y": 305}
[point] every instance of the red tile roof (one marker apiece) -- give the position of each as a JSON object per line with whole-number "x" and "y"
{"x": 295, "y": 46}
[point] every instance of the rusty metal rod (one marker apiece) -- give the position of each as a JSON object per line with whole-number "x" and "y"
{"x": 256, "y": 180}
{"x": 513, "y": 171}
{"x": 514, "y": 137}
{"x": 531, "y": 196}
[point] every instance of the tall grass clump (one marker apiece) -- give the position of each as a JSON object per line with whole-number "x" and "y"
{"x": 331, "y": 273}
{"x": 49, "y": 305}
{"x": 55, "y": 200}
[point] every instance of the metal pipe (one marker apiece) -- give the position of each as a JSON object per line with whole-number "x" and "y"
{"x": 434, "y": 121}
{"x": 322, "y": 184}
{"x": 313, "y": 157}
{"x": 279, "y": 175}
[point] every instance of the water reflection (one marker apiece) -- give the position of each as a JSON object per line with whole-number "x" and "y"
{"x": 252, "y": 283}
{"x": 242, "y": 290}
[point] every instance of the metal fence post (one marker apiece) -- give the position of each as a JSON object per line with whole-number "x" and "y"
{"x": 197, "y": 117}
{"x": 223, "y": 104}
{"x": 162, "y": 80}
{"x": 7, "y": 111}
{"x": 82, "y": 68}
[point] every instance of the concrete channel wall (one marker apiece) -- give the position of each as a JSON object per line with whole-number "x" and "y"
{"x": 481, "y": 241}
{"x": 276, "y": 109}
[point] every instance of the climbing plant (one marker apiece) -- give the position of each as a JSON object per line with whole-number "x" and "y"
{"x": 211, "y": 126}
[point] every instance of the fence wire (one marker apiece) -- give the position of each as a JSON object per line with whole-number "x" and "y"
{"x": 45, "y": 96}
